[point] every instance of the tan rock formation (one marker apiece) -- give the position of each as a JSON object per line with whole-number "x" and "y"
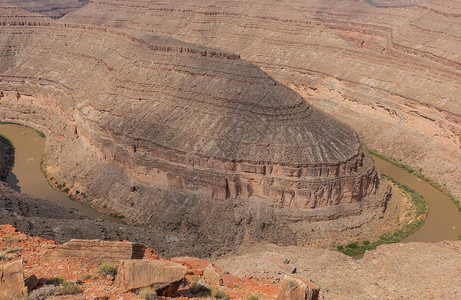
{"x": 12, "y": 281}
{"x": 212, "y": 276}
{"x": 391, "y": 73}
{"x": 295, "y": 287}
{"x": 95, "y": 250}
{"x": 203, "y": 136}
{"x": 164, "y": 276}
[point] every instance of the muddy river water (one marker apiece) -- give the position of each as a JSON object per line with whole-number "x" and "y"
{"x": 443, "y": 221}
{"x": 26, "y": 175}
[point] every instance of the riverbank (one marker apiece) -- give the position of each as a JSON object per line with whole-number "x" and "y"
{"x": 419, "y": 174}
{"x": 26, "y": 176}
{"x": 417, "y": 211}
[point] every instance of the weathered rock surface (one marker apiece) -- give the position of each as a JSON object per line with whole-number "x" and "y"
{"x": 12, "y": 281}
{"x": 404, "y": 270}
{"x": 212, "y": 276}
{"x": 31, "y": 282}
{"x": 6, "y": 157}
{"x": 198, "y": 132}
{"x": 96, "y": 250}
{"x": 164, "y": 276}
{"x": 295, "y": 287}
{"x": 390, "y": 69}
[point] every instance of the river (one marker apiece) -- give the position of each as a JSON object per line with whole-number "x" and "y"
{"x": 443, "y": 221}
{"x": 26, "y": 175}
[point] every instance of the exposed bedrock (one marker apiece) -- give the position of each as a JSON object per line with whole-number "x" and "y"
{"x": 393, "y": 74}
{"x": 159, "y": 130}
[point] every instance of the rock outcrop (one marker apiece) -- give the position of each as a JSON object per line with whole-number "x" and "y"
{"x": 212, "y": 276}
{"x": 6, "y": 157}
{"x": 94, "y": 250}
{"x": 163, "y": 276}
{"x": 12, "y": 281}
{"x": 191, "y": 128}
{"x": 390, "y": 69}
{"x": 295, "y": 287}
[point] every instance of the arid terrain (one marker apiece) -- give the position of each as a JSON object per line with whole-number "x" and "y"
{"x": 390, "y": 69}
{"x": 237, "y": 132}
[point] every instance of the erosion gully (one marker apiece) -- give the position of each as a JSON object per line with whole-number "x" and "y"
{"x": 443, "y": 221}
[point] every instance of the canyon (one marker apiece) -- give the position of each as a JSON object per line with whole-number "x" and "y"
{"x": 237, "y": 131}
{"x": 389, "y": 69}
{"x": 178, "y": 137}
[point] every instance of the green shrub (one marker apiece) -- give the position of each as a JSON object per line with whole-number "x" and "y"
{"x": 40, "y": 133}
{"x": 86, "y": 276}
{"x": 68, "y": 288}
{"x": 218, "y": 294}
{"x": 253, "y": 297}
{"x": 148, "y": 293}
{"x": 366, "y": 243}
{"x": 340, "y": 248}
{"x": 12, "y": 238}
{"x": 292, "y": 284}
{"x": 354, "y": 245}
{"x": 107, "y": 269}
{"x": 195, "y": 287}
{"x": 56, "y": 280}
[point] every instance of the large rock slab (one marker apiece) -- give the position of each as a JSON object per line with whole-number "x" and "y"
{"x": 101, "y": 251}
{"x": 212, "y": 276}
{"x": 12, "y": 281}
{"x": 164, "y": 276}
{"x": 295, "y": 287}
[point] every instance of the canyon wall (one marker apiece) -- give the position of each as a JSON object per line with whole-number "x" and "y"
{"x": 390, "y": 69}
{"x": 158, "y": 129}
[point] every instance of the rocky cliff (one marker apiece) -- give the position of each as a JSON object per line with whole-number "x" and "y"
{"x": 390, "y": 69}
{"x": 156, "y": 115}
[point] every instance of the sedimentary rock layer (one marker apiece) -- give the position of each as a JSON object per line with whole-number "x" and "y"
{"x": 95, "y": 250}
{"x": 49, "y": 8}
{"x": 390, "y": 69}
{"x": 182, "y": 118}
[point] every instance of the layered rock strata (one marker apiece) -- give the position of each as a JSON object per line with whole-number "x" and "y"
{"x": 179, "y": 137}
{"x": 96, "y": 250}
{"x": 390, "y": 69}
{"x": 178, "y": 120}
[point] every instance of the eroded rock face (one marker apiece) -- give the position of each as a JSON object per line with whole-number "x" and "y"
{"x": 226, "y": 131}
{"x": 95, "y": 250}
{"x": 295, "y": 287}
{"x": 164, "y": 276}
{"x": 365, "y": 62}
{"x": 12, "y": 281}
{"x": 203, "y": 136}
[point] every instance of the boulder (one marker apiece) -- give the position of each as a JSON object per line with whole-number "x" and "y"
{"x": 164, "y": 276}
{"x": 294, "y": 287}
{"x": 212, "y": 276}
{"x": 12, "y": 281}
{"x": 96, "y": 250}
{"x": 31, "y": 282}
